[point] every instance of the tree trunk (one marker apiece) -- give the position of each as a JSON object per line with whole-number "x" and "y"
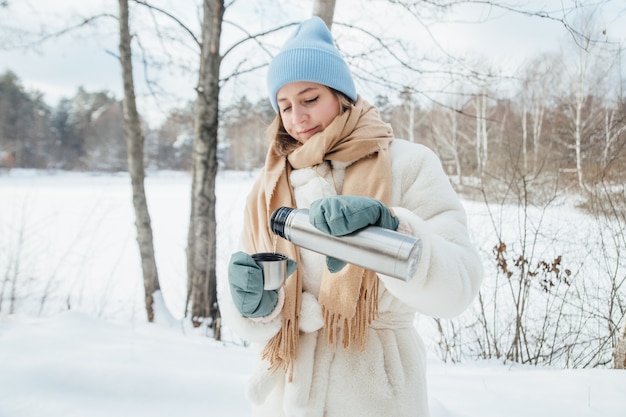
{"x": 134, "y": 144}
{"x": 481, "y": 132}
{"x": 578, "y": 142}
{"x": 537, "y": 116}
{"x": 525, "y": 135}
{"x": 619, "y": 355}
{"x": 455, "y": 148}
{"x": 201, "y": 242}
{"x": 325, "y": 9}
{"x": 580, "y": 94}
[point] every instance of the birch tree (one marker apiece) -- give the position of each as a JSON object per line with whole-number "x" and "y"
{"x": 406, "y": 116}
{"x": 536, "y": 88}
{"x": 135, "y": 145}
{"x": 619, "y": 355}
{"x": 481, "y": 133}
{"x": 587, "y": 72}
{"x": 447, "y": 137}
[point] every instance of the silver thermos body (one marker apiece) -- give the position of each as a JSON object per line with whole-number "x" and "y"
{"x": 375, "y": 248}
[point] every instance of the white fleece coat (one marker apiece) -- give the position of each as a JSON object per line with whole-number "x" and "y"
{"x": 388, "y": 378}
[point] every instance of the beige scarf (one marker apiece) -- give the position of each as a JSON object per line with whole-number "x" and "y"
{"x": 349, "y": 298}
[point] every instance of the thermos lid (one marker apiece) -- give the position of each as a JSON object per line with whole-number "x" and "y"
{"x": 278, "y": 220}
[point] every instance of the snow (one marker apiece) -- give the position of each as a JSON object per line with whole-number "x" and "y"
{"x": 76, "y": 365}
{"x": 71, "y": 237}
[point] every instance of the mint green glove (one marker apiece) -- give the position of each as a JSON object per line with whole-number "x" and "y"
{"x": 246, "y": 284}
{"x": 343, "y": 214}
{"x": 334, "y": 264}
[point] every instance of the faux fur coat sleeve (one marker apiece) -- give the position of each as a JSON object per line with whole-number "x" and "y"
{"x": 450, "y": 271}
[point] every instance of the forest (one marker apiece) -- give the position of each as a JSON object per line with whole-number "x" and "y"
{"x": 553, "y": 128}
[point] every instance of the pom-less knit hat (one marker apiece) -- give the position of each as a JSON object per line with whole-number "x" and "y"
{"x": 310, "y": 55}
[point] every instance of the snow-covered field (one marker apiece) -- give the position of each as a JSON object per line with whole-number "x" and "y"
{"x": 77, "y": 343}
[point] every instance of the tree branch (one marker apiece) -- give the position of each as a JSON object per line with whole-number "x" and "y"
{"x": 44, "y": 37}
{"x": 171, "y": 16}
{"x": 254, "y": 37}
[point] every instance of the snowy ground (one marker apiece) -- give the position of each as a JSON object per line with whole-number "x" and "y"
{"x": 70, "y": 237}
{"x": 74, "y": 365}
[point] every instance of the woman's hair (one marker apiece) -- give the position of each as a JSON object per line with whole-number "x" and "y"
{"x": 285, "y": 144}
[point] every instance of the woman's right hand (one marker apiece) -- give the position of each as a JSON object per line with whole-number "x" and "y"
{"x": 246, "y": 286}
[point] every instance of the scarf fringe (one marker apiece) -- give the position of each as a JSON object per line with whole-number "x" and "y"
{"x": 281, "y": 350}
{"x": 355, "y": 327}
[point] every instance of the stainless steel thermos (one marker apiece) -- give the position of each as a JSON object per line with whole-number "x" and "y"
{"x": 375, "y": 248}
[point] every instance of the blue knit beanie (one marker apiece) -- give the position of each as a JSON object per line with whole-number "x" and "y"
{"x": 310, "y": 55}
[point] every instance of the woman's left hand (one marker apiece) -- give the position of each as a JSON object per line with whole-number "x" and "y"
{"x": 343, "y": 214}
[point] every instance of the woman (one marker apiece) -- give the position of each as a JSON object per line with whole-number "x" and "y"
{"x": 340, "y": 341}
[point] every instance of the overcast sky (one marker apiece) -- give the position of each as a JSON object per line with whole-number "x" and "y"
{"x": 87, "y": 57}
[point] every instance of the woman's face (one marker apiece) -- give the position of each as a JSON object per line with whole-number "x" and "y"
{"x": 306, "y": 108}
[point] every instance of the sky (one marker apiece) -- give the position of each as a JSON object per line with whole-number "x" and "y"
{"x": 73, "y": 234}
{"x": 87, "y": 57}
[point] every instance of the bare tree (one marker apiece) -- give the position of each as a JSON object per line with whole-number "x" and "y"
{"x": 480, "y": 103}
{"x": 135, "y": 144}
{"x": 325, "y": 9}
{"x": 587, "y": 74}
{"x": 536, "y": 86}
{"x": 447, "y": 138}
{"x": 202, "y": 242}
{"x": 619, "y": 356}
{"x": 613, "y": 127}
{"x": 407, "y": 117}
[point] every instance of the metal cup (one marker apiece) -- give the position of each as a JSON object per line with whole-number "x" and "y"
{"x": 274, "y": 266}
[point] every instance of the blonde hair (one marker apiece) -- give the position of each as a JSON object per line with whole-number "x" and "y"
{"x": 285, "y": 144}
